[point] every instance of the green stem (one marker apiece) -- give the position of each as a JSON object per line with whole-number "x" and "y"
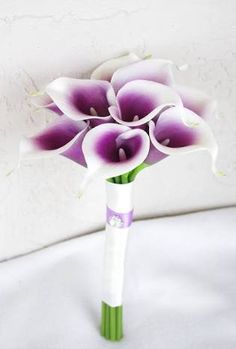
{"x": 111, "y": 180}
{"x": 111, "y": 325}
{"x": 134, "y": 173}
{"x": 107, "y": 322}
{"x": 117, "y": 179}
{"x": 103, "y": 327}
{"x": 125, "y": 178}
{"x": 129, "y": 176}
{"x": 119, "y": 327}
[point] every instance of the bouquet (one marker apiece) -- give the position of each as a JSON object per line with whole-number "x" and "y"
{"x": 129, "y": 115}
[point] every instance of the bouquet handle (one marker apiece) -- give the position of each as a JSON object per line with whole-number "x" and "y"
{"x": 118, "y": 220}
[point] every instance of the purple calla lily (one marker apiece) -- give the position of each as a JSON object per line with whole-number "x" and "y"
{"x": 111, "y": 149}
{"x": 82, "y": 99}
{"x": 140, "y": 101}
{"x": 180, "y": 130}
{"x": 157, "y": 70}
{"x": 63, "y": 137}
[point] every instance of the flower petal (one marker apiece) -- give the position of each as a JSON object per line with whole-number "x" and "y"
{"x": 140, "y": 101}
{"x": 42, "y": 100}
{"x": 158, "y": 70}
{"x": 111, "y": 150}
{"x": 63, "y": 137}
{"x": 106, "y": 69}
{"x": 82, "y": 99}
{"x": 175, "y": 134}
{"x": 99, "y": 121}
{"x": 197, "y": 101}
{"x": 154, "y": 155}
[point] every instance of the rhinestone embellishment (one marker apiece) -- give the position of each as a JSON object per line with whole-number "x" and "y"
{"x": 116, "y": 221}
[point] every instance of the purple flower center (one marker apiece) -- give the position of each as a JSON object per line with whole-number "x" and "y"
{"x": 91, "y": 100}
{"x": 57, "y": 136}
{"x": 134, "y": 106}
{"x": 174, "y": 134}
{"x": 108, "y": 148}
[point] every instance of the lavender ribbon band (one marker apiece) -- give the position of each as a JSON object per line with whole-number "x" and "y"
{"x": 119, "y": 220}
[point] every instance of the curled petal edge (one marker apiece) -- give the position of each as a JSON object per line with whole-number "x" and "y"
{"x": 105, "y": 70}
{"x": 28, "y": 150}
{"x": 158, "y": 110}
{"x": 207, "y": 142}
{"x": 98, "y": 167}
{"x": 42, "y": 101}
{"x": 60, "y": 90}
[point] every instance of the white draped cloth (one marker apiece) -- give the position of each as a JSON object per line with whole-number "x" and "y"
{"x": 180, "y": 289}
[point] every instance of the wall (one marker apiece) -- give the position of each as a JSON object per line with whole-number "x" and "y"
{"x": 46, "y": 39}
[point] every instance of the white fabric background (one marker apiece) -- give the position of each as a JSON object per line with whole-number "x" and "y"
{"x": 179, "y": 292}
{"x": 41, "y": 40}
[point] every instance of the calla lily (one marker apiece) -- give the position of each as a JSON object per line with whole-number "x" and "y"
{"x": 111, "y": 150}
{"x": 197, "y": 101}
{"x": 63, "y": 137}
{"x": 82, "y": 99}
{"x": 140, "y": 101}
{"x": 174, "y": 134}
{"x": 107, "y": 69}
{"x": 157, "y": 70}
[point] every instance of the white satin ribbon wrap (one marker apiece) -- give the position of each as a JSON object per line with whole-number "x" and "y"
{"x": 119, "y": 199}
